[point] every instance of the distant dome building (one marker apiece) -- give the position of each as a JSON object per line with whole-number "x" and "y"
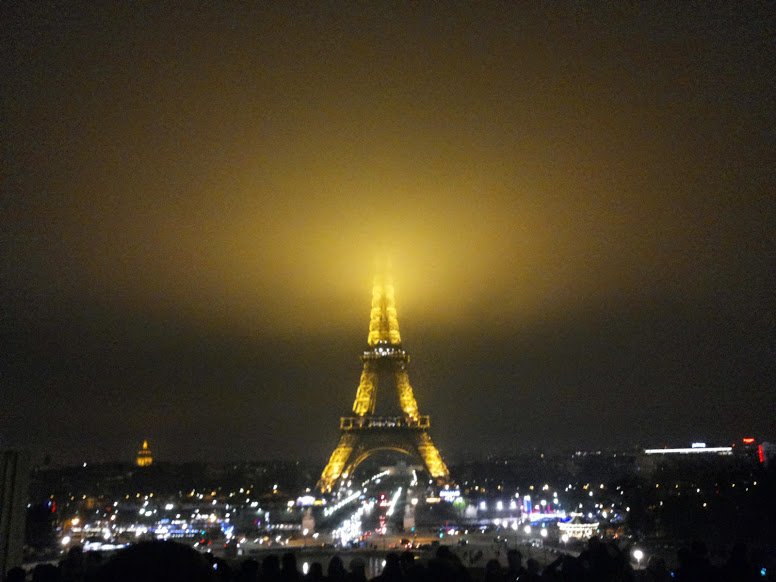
{"x": 144, "y": 456}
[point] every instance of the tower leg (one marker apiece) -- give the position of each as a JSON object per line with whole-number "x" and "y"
{"x": 406, "y": 397}
{"x": 367, "y": 391}
{"x": 431, "y": 457}
{"x": 337, "y": 462}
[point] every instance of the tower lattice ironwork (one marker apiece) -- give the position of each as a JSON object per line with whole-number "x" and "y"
{"x": 366, "y": 433}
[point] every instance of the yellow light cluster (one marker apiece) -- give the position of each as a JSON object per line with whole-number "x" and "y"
{"x": 336, "y": 463}
{"x": 144, "y": 456}
{"x": 431, "y": 457}
{"x": 383, "y": 319}
{"x": 406, "y": 397}
{"x": 366, "y": 393}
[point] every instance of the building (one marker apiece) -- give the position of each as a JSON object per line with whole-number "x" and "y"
{"x": 577, "y": 528}
{"x": 145, "y": 457}
{"x": 14, "y": 477}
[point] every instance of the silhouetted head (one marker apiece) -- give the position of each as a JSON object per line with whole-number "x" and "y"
{"x": 336, "y": 568}
{"x": 407, "y": 560}
{"x": 357, "y": 566}
{"x": 288, "y": 562}
{"x": 46, "y": 573}
{"x": 392, "y": 565}
{"x": 75, "y": 554}
{"x": 443, "y": 553}
{"x": 156, "y": 561}
{"x": 270, "y": 565}
{"x": 492, "y": 567}
{"x": 221, "y": 569}
{"x": 532, "y": 566}
{"x": 572, "y": 568}
{"x": 250, "y": 567}
{"x": 15, "y": 575}
{"x": 515, "y": 559}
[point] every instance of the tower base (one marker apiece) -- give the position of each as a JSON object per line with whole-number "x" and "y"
{"x": 363, "y": 436}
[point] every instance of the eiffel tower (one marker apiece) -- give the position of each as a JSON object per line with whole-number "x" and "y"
{"x": 365, "y": 433}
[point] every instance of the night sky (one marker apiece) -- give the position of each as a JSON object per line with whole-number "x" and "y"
{"x": 578, "y": 202}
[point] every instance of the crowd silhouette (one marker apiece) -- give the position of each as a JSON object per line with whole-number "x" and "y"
{"x": 159, "y": 561}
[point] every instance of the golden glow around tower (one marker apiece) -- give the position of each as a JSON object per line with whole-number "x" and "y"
{"x": 144, "y": 456}
{"x": 383, "y": 321}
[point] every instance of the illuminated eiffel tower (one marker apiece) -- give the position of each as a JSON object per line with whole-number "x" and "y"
{"x": 365, "y": 433}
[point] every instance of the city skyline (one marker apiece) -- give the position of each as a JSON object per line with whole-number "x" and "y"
{"x": 578, "y": 203}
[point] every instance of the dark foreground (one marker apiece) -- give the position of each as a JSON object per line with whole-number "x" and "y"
{"x": 172, "y": 562}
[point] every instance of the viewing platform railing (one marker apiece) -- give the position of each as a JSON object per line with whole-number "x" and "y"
{"x": 367, "y": 422}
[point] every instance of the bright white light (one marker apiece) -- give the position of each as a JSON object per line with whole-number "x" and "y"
{"x": 169, "y": 507}
{"x": 483, "y": 506}
{"x": 339, "y": 505}
{"x": 500, "y": 506}
{"x": 564, "y": 538}
{"x": 527, "y": 529}
{"x": 691, "y": 450}
{"x": 305, "y": 568}
{"x": 543, "y": 532}
{"x": 65, "y": 540}
{"x": 638, "y": 554}
{"x": 392, "y": 505}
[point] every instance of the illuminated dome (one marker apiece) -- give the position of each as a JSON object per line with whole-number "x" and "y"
{"x": 144, "y": 456}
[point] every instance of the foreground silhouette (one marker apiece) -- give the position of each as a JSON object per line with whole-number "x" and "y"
{"x": 158, "y": 561}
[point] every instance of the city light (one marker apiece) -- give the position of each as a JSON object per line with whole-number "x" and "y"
{"x": 394, "y": 499}
{"x": 638, "y": 555}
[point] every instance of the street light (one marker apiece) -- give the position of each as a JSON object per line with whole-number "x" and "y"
{"x": 638, "y": 555}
